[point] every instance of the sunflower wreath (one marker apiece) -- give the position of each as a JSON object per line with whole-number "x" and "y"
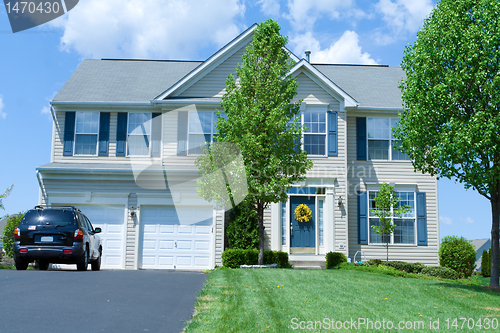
{"x": 303, "y": 213}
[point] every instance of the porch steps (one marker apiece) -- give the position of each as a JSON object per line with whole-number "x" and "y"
{"x": 307, "y": 264}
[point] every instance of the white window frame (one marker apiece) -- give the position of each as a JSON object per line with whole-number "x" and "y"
{"x": 414, "y": 218}
{"x": 213, "y": 130}
{"x": 96, "y": 134}
{"x": 149, "y": 135}
{"x": 390, "y": 139}
{"x": 325, "y": 134}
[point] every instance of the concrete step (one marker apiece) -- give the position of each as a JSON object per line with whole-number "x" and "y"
{"x": 308, "y": 264}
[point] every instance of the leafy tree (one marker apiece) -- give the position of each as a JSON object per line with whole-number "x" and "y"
{"x": 451, "y": 98}
{"x": 486, "y": 263}
{"x": 242, "y": 230}
{"x": 5, "y": 195}
{"x": 13, "y": 222}
{"x": 258, "y": 108}
{"x": 458, "y": 254}
{"x": 386, "y": 208}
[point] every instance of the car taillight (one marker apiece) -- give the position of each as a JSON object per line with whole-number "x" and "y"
{"x": 78, "y": 234}
{"x": 24, "y": 250}
{"x": 17, "y": 233}
{"x": 68, "y": 251}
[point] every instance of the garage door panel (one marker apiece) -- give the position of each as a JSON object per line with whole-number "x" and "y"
{"x": 167, "y": 229}
{"x": 202, "y": 245}
{"x": 201, "y": 261}
{"x": 184, "y": 245}
{"x": 203, "y": 230}
{"x": 166, "y": 261}
{"x": 149, "y": 244}
{"x": 166, "y": 245}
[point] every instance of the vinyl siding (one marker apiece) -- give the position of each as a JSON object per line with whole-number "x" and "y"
{"x": 219, "y": 236}
{"x": 398, "y": 172}
{"x": 130, "y": 255}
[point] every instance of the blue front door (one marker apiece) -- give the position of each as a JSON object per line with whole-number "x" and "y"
{"x": 302, "y": 234}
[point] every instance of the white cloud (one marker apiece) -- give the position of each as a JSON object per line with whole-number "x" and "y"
{"x": 467, "y": 220}
{"x": 346, "y": 50}
{"x": 402, "y": 17}
{"x": 446, "y": 220}
{"x": 269, "y": 7}
{"x": 148, "y": 28}
{"x": 2, "y": 114}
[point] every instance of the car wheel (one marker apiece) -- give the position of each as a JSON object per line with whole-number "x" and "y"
{"x": 96, "y": 264}
{"x": 84, "y": 261}
{"x": 43, "y": 265}
{"x": 21, "y": 264}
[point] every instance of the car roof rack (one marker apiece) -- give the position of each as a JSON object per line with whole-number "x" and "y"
{"x": 57, "y": 207}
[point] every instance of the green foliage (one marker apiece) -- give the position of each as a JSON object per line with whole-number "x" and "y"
{"x": 373, "y": 262}
{"x": 407, "y": 266}
{"x": 334, "y": 258}
{"x": 234, "y": 258}
{"x": 5, "y": 195}
{"x": 442, "y": 272}
{"x": 258, "y": 108}
{"x": 458, "y": 254}
{"x": 242, "y": 229}
{"x": 13, "y": 222}
{"x": 451, "y": 99}
{"x": 486, "y": 263}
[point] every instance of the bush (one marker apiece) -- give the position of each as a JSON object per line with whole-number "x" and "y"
{"x": 234, "y": 258}
{"x": 406, "y": 266}
{"x": 373, "y": 262}
{"x": 457, "y": 253}
{"x": 13, "y": 222}
{"x": 486, "y": 263}
{"x": 242, "y": 230}
{"x": 334, "y": 258}
{"x": 441, "y": 272}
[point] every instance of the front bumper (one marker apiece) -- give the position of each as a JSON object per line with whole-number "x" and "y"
{"x": 52, "y": 254}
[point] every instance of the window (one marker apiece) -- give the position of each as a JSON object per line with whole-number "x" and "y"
{"x": 86, "y": 133}
{"x": 139, "y": 134}
{"x": 283, "y": 223}
{"x": 201, "y": 129}
{"x": 320, "y": 222}
{"x": 405, "y": 226}
{"x": 315, "y": 133}
{"x": 381, "y": 143}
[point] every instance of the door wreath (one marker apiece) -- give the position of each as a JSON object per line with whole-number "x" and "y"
{"x": 303, "y": 213}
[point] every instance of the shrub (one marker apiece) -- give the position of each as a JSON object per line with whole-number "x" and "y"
{"x": 407, "y": 266}
{"x": 13, "y": 222}
{"x": 441, "y": 272}
{"x": 486, "y": 263}
{"x": 373, "y": 262}
{"x": 234, "y": 258}
{"x": 334, "y": 258}
{"x": 457, "y": 253}
{"x": 242, "y": 230}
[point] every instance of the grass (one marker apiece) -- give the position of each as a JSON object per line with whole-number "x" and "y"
{"x": 267, "y": 300}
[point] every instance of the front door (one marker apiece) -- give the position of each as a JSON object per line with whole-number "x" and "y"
{"x": 302, "y": 234}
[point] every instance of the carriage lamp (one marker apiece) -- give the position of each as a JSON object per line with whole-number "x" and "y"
{"x": 133, "y": 211}
{"x": 340, "y": 202}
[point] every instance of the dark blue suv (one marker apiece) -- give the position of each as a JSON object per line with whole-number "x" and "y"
{"x": 57, "y": 235}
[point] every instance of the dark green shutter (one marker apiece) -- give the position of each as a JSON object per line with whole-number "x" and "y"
{"x": 361, "y": 138}
{"x": 69, "y": 133}
{"x": 104, "y": 133}
{"x": 421, "y": 219}
{"x": 182, "y": 132}
{"x": 332, "y": 134}
{"x": 156, "y": 135}
{"x": 121, "y": 134}
{"x": 362, "y": 218}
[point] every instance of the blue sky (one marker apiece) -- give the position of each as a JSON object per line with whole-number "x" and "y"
{"x": 36, "y": 63}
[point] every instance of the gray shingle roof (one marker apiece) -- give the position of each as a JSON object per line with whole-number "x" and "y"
{"x": 122, "y": 80}
{"x": 370, "y": 86}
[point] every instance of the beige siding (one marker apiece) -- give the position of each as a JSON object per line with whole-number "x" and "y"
{"x": 130, "y": 254}
{"x": 311, "y": 92}
{"x": 397, "y": 172}
{"x": 219, "y": 236}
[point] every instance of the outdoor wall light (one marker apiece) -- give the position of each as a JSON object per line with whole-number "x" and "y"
{"x": 340, "y": 202}
{"x": 133, "y": 212}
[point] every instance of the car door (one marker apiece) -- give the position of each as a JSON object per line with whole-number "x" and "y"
{"x": 96, "y": 240}
{"x": 90, "y": 235}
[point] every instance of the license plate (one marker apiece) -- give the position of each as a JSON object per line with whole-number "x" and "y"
{"x": 46, "y": 239}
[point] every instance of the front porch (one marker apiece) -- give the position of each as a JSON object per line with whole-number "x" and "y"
{"x": 306, "y": 261}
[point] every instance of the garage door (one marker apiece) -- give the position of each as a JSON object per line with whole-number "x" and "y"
{"x": 176, "y": 239}
{"x": 111, "y": 220}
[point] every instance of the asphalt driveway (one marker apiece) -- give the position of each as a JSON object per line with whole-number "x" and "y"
{"x": 104, "y": 301}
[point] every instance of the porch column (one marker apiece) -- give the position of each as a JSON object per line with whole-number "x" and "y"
{"x": 275, "y": 227}
{"x": 329, "y": 220}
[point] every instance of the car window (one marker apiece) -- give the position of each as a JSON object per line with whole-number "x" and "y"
{"x": 91, "y": 228}
{"x": 44, "y": 216}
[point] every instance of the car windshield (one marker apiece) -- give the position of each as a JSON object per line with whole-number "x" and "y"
{"x": 53, "y": 217}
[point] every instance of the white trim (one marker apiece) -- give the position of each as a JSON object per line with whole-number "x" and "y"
{"x": 150, "y": 135}
{"x": 97, "y": 134}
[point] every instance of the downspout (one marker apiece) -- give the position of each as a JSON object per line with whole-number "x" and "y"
{"x": 42, "y": 190}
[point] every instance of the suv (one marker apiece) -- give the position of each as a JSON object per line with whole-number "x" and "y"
{"x": 59, "y": 235}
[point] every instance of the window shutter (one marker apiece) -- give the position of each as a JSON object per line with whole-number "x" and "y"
{"x": 104, "y": 133}
{"x": 421, "y": 219}
{"x": 69, "y": 133}
{"x": 362, "y": 218}
{"x": 332, "y": 134}
{"x": 361, "y": 138}
{"x": 182, "y": 132}
{"x": 156, "y": 135}
{"x": 121, "y": 134}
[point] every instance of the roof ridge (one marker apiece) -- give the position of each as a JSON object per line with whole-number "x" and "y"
{"x": 155, "y": 60}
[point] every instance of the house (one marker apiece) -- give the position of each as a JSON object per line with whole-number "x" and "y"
{"x": 126, "y": 134}
{"x": 479, "y": 246}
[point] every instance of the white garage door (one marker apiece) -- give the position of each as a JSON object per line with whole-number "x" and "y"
{"x": 176, "y": 239}
{"x": 111, "y": 220}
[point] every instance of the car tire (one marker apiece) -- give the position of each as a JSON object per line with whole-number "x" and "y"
{"x": 21, "y": 264}
{"x": 84, "y": 261}
{"x": 96, "y": 264}
{"x": 43, "y": 265}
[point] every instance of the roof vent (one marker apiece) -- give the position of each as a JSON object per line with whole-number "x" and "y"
{"x": 308, "y": 56}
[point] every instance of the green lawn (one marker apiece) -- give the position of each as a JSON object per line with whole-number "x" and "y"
{"x": 267, "y": 300}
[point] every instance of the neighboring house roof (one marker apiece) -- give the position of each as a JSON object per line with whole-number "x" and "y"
{"x": 478, "y": 243}
{"x": 479, "y": 246}
{"x": 122, "y": 80}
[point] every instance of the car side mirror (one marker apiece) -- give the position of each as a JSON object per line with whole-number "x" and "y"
{"x": 97, "y": 230}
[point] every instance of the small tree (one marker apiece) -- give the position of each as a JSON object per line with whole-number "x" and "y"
{"x": 386, "y": 208}
{"x": 13, "y": 222}
{"x": 5, "y": 195}
{"x": 486, "y": 263}
{"x": 457, "y": 253}
{"x": 242, "y": 230}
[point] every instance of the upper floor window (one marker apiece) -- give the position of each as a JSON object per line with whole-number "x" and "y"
{"x": 86, "y": 133}
{"x": 201, "y": 130}
{"x": 315, "y": 133}
{"x": 139, "y": 134}
{"x": 381, "y": 142}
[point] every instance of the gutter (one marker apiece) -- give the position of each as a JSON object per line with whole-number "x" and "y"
{"x": 40, "y": 183}
{"x": 101, "y": 103}
{"x": 373, "y": 108}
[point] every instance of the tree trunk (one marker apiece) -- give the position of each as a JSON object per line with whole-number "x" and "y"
{"x": 495, "y": 210}
{"x": 260, "y": 214}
